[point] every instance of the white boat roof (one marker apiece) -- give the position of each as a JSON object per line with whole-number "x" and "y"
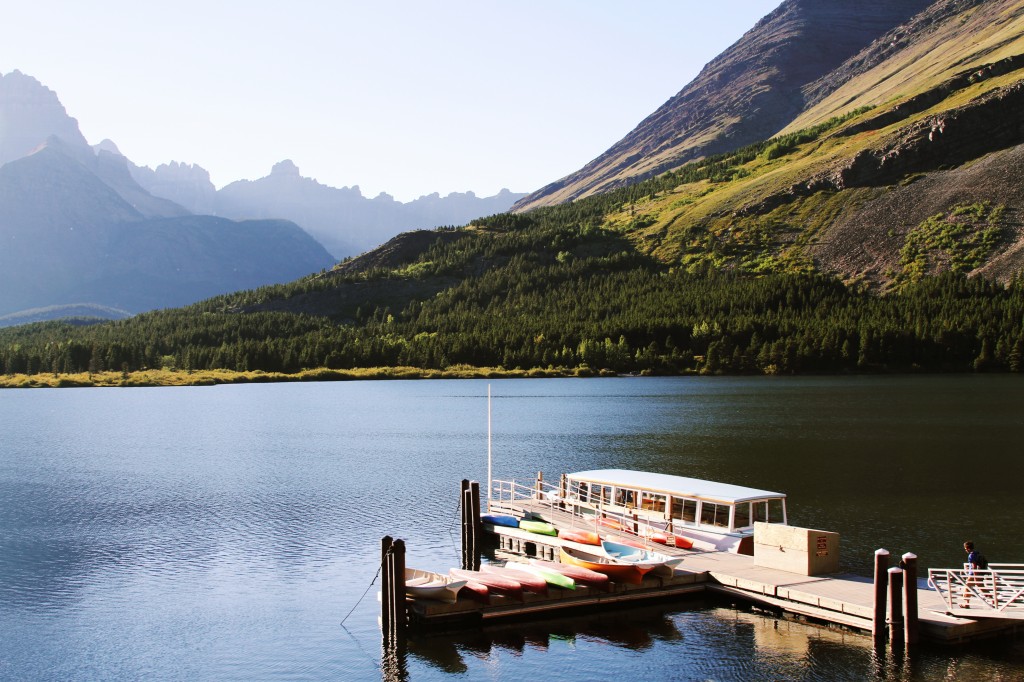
{"x": 675, "y": 485}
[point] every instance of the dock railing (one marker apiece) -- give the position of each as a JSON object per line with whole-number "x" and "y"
{"x": 995, "y": 593}
{"x": 539, "y": 497}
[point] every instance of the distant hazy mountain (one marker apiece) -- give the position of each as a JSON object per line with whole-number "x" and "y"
{"x": 78, "y": 233}
{"x": 746, "y": 94}
{"x": 342, "y": 219}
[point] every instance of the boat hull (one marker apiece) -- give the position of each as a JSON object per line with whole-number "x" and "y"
{"x": 420, "y": 584}
{"x": 617, "y": 571}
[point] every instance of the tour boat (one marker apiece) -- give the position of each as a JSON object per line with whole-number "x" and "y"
{"x": 705, "y": 514}
{"x": 616, "y": 570}
{"x": 420, "y": 584}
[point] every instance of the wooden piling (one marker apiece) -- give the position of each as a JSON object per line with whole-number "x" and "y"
{"x": 472, "y": 526}
{"x": 895, "y": 605}
{"x": 881, "y": 588}
{"x": 393, "y": 616}
{"x": 539, "y": 485}
{"x": 910, "y": 622}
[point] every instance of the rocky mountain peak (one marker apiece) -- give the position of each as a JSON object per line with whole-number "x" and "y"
{"x": 30, "y": 113}
{"x": 285, "y": 168}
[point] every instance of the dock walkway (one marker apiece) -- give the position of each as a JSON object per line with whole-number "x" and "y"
{"x": 841, "y": 599}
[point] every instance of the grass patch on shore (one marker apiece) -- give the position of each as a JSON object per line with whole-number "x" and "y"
{"x": 167, "y": 377}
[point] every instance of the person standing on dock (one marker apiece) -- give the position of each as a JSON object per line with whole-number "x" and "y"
{"x": 975, "y": 562}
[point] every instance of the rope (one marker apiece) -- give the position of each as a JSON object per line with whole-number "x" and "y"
{"x": 358, "y": 602}
{"x": 379, "y": 568}
{"x": 451, "y": 537}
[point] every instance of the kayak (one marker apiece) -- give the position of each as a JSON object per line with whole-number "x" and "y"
{"x": 531, "y": 583}
{"x": 583, "y": 537}
{"x": 500, "y": 520}
{"x": 540, "y": 527}
{"x": 580, "y": 575}
{"x": 552, "y": 577}
{"x": 496, "y": 584}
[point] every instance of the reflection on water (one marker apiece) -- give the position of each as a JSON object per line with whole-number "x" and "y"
{"x": 222, "y": 533}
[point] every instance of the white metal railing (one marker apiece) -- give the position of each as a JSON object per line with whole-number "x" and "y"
{"x": 541, "y": 495}
{"x": 997, "y": 592}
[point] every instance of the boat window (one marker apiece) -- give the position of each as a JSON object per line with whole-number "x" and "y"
{"x": 602, "y": 493}
{"x": 769, "y": 511}
{"x": 584, "y": 491}
{"x": 684, "y": 510}
{"x": 625, "y": 497}
{"x": 712, "y": 514}
{"x": 653, "y": 502}
{"x": 742, "y": 519}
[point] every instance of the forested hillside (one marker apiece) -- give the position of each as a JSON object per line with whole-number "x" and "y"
{"x": 525, "y": 292}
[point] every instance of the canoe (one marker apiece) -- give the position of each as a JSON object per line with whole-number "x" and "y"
{"x": 530, "y": 582}
{"x": 500, "y": 520}
{"x": 420, "y": 584}
{"x": 583, "y": 537}
{"x": 616, "y": 570}
{"x": 540, "y": 527}
{"x": 551, "y": 577}
{"x": 662, "y": 564}
{"x": 582, "y": 576}
{"x": 496, "y": 584}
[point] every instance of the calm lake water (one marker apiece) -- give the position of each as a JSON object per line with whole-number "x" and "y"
{"x": 226, "y": 532}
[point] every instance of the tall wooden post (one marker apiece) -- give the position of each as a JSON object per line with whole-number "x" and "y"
{"x": 539, "y": 486}
{"x": 393, "y": 614}
{"x": 910, "y": 625}
{"x": 472, "y": 526}
{"x": 386, "y": 592}
{"x": 895, "y": 605}
{"x": 881, "y": 588}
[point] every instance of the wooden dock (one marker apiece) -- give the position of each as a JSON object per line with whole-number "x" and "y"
{"x": 836, "y": 599}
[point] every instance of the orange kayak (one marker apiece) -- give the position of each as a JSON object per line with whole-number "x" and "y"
{"x": 583, "y": 537}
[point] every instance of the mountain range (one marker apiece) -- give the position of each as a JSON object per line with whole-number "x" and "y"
{"x": 86, "y": 231}
{"x": 838, "y": 191}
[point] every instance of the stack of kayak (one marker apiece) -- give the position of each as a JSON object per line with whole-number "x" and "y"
{"x": 580, "y": 536}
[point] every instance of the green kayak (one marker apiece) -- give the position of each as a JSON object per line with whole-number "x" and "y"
{"x": 541, "y": 527}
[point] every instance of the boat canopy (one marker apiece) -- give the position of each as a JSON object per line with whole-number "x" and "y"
{"x": 676, "y": 486}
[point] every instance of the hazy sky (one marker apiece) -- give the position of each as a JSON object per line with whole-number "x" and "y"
{"x": 403, "y": 97}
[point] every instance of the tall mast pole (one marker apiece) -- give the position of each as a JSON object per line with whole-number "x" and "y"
{"x": 488, "y": 445}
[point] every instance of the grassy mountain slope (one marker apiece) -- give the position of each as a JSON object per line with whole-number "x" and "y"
{"x": 746, "y": 94}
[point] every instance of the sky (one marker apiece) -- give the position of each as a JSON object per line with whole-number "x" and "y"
{"x": 402, "y": 97}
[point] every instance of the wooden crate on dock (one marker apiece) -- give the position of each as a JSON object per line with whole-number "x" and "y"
{"x": 796, "y": 550}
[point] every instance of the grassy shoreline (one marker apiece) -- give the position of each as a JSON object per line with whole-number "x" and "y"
{"x": 170, "y": 377}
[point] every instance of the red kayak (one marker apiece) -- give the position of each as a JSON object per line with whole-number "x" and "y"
{"x": 530, "y": 582}
{"x": 496, "y": 584}
{"x": 581, "y": 575}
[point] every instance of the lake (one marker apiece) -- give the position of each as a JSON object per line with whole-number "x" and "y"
{"x": 226, "y": 532}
